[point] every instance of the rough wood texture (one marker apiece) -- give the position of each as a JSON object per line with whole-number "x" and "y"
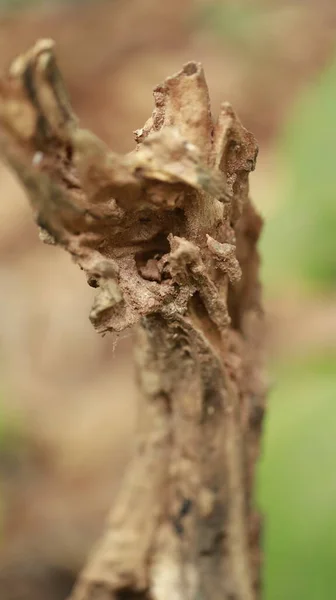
{"x": 167, "y": 235}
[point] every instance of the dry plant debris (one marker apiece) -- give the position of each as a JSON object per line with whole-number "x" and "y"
{"x": 167, "y": 234}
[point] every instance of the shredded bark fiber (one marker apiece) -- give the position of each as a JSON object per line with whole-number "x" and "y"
{"x": 167, "y": 234}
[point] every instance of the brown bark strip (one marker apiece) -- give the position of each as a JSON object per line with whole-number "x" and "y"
{"x": 168, "y": 236}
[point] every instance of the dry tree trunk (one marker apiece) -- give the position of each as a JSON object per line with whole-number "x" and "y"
{"x": 167, "y": 235}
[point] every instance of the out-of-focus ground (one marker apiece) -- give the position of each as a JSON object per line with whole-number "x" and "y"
{"x": 67, "y": 399}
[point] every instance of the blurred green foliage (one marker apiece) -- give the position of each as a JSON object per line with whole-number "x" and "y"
{"x": 21, "y": 4}
{"x": 243, "y": 25}
{"x": 299, "y": 241}
{"x": 238, "y": 22}
{"x": 9, "y": 430}
{"x": 297, "y": 481}
{"x": 9, "y": 443}
{"x": 14, "y": 4}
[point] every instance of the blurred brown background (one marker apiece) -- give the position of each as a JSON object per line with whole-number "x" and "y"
{"x": 67, "y": 399}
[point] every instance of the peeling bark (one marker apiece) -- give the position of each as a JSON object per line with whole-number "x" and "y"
{"x": 167, "y": 234}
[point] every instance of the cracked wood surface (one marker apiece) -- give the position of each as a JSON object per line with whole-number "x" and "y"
{"x": 167, "y": 234}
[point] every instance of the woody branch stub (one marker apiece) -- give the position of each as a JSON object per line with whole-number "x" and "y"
{"x": 167, "y": 235}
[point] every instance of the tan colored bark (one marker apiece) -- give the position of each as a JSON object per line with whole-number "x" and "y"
{"x": 167, "y": 235}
